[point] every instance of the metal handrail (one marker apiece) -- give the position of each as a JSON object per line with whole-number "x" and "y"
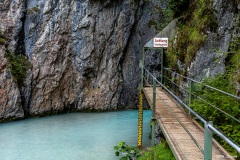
{"x": 179, "y": 121}
{"x": 178, "y": 99}
{"x": 226, "y": 139}
{"x": 211, "y": 127}
{"x": 206, "y": 102}
{"x": 236, "y": 97}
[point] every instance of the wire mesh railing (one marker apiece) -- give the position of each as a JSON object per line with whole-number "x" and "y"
{"x": 196, "y": 99}
{"x": 191, "y": 93}
{"x": 220, "y": 107}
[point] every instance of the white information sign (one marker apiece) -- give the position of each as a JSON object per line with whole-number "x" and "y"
{"x": 160, "y": 42}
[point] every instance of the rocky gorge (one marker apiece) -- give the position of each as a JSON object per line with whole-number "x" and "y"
{"x": 84, "y": 54}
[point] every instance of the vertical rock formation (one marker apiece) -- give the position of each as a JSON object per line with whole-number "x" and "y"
{"x": 10, "y": 27}
{"x": 140, "y": 35}
{"x": 75, "y": 48}
{"x": 83, "y": 53}
{"x": 10, "y": 98}
{"x": 210, "y": 59}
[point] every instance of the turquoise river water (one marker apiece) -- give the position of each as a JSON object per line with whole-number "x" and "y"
{"x": 73, "y": 136}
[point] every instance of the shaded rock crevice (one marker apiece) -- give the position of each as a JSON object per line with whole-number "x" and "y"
{"x": 131, "y": 72}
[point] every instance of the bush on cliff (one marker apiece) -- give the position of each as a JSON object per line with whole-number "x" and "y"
{"x": 18, "y": 65}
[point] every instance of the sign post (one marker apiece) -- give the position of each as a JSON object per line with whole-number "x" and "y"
{"x": 160, "y": 41}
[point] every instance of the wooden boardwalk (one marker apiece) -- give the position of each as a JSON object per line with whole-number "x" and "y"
{"x": 181, "y": 144}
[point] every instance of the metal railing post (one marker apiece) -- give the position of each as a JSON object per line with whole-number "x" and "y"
{"x": 191, "y": 97}
{"x": 154, "y": 96}
{"x": 190, "y": 94}
{"x": 153, "y": 119}
{"x": 162, "y": 51}
{"x": 164, "y": 78}
{"x": 207, "y": 141}
{"x": 209, "y": 128}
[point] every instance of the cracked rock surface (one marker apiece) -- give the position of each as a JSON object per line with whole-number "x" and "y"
{"x": 82, "y": 54}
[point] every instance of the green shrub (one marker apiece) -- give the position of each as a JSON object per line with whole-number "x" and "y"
{"x": 127, "y": 152}
{"x": 234, "y": 69}
{"x": 18, "y": 65}
{"x": 172, "y": 57}
{"x": 159, "y": 152}
{"x": 225, "y": 103}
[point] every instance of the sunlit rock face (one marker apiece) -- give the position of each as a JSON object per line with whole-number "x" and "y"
{"x": 84, "y": 54}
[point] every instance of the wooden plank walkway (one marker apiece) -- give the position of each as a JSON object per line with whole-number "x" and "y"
{"x": 181, "y": 144}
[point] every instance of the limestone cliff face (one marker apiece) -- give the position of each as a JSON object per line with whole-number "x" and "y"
{"x": 85, "y": 53}
{"x": 10, "y": 98}
{"x": 10, "y": 25}
{"x": 210, "y": 59}
{"x": 82, "y": 52}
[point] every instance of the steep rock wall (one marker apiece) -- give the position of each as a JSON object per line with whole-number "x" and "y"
{"x": 78, "y": 51}
{"x": 210, "y": 59}
{"x": 10, "y": 27}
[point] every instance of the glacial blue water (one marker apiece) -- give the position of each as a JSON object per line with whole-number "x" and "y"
{"x": 73, "y": 136}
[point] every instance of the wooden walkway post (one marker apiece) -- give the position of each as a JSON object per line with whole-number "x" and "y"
{"x": 162, "y": 66}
